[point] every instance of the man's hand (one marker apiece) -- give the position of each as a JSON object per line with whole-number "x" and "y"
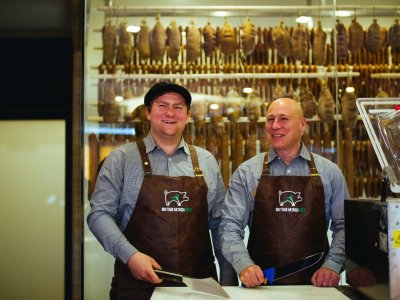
{"x": 252, "y": 276}
{"x": 325, "y": 277}
{"x": 360, "y": 277}
{"x": 142, "y": 267}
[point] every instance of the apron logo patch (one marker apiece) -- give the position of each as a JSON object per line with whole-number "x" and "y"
{"x": 173, "y": 201}
{"x": 291, "y": 198}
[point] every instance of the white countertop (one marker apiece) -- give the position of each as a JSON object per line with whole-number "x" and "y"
{"x": 289, "y": 292}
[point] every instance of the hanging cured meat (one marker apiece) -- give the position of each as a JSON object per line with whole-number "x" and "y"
{"x": 381, "y": 93}
{"x": 253, "y": 106}
{"x": 281, "y": 39}
{"x": 144, "y": 41}
{"x": 349, "y": 110}
{"x": 233, "y": 105}
{"x": 158, "y": 39}
{"x": 227, "y": 39}
{"x": 110, "y": 109}
{"x": 341, "y": 40}
{"x": 326, "y": 105}
{"x": 308, "y": 103}
{"x": 193, "y": 43}
{"x": 174, "y": 40}
{"x": 198, "y": 110}
{"x": 124, "y": 50}
{"x": 210, "y": 39}
{"x": 299, "y": 43}
{"x": 279, "y": 91}
{"x": 356, "y": 36}
{"x": 248, "y": 37}
{"x": 109, "y": 32}
{"x": 374, "y": 38}
{"x": 292, "y": 93}
{"x": 394, "y": 36}
{"x": 319, "y": 45}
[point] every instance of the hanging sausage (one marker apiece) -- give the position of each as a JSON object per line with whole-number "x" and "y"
{"x": 227, "y": 39}
{"x": 326, "y": 105}
{"x": 174, "y": 40}
{"x": 193, "y": 43}
{"x": 144, "y": 41}
{"x": 125, "y": 45}
{"x": 281, "y": 39}
{"x": 319, "y": 45}
{"x": 109, "y": 35}
{"x": 341, "y": 40}
{"x": 158, "y": 40}
{"x": 373, "y": 37}
{"x": 299, "y": 43}
{"x": 356, "y": 40}
{"x": 209, "y": 39}
{"x": 248, "y": 37}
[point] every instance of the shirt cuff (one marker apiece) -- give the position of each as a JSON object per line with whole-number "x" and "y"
{"x": 125, "y": 252}
{"x": 338, "y": 268}
{"x": 243, "y": 263}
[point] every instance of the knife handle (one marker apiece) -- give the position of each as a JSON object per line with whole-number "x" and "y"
{"x": 270, "y": 275}
{"x": 169, "y": 276}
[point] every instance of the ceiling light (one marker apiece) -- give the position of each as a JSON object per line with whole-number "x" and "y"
{"x": 119, "y": 98}
{"x": 247, "y": 90}
{"x": 214, "y": 106}
{"x": 221, "y": 14}
{"x": 303, "y": 19}
{"x": 133, "y": 28}
{"x": 350, "y": 89}
{"x": 344, "y": 13}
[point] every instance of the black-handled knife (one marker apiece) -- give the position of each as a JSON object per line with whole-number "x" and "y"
{"x": 205, "y": 285}
{"x": 274, "y": 274}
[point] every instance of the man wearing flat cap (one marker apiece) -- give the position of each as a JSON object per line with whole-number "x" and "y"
{"x": 155, "y": 201}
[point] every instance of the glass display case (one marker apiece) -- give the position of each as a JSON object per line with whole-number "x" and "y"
{"x": 235, "y": 60}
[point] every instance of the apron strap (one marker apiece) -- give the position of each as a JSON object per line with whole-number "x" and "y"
{"x": 198, "y": 173}
{"x": 315, "y": 178}
{"x": 265, "y": 170}
{"x": 145, "y": 158}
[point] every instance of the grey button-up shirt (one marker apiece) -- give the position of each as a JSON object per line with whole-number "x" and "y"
{"x": 118, "y": 185}
{"x": 239, "y": 203}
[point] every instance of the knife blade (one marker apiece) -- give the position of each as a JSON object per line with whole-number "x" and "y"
{"x": 205, "y": 285}
{"x": 274, "y": 274}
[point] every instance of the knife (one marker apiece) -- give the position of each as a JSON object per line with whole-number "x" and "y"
{"x": 274, "y": 274}
{"x": 205, "y": 285}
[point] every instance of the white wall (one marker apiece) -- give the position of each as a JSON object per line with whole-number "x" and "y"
{"x": 32, "y": 189}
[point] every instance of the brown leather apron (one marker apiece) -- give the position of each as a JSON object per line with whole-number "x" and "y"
{"x": 170, "y": 224}
{"x": 288, "y": 221}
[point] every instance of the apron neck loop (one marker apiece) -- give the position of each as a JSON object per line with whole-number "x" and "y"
{"x": 198, "y": 173}
{"x": 265, "y": 170}
{"x": 145, "y": 158}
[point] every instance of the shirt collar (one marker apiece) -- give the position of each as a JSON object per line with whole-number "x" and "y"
{"x": 304, "y": 153}
{"x": 150, "y": 144}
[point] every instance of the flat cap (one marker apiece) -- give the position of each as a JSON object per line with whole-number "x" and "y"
{"x": 164, "y": 87}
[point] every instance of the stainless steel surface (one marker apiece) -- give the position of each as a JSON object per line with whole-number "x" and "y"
{"x": 369, "y": 109}
{"x": 394, "y": 248}
{"x": 373, "y": 242}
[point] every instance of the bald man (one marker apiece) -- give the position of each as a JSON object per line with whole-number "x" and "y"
{"x": 287, "y": 197}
